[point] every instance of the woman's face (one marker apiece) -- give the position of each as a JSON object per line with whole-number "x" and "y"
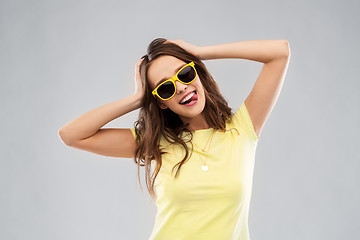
{"x": 166, "y": 67}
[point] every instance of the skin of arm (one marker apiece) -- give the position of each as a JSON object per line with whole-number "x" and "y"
{"x": 275, "y": 54}
{"x": 89, "y": 123}
{"x": 256, "y": 50}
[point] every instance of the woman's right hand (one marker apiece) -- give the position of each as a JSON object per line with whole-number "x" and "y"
{"x": 139, "y": 87}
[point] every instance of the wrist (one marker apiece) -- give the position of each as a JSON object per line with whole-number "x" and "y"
{"x": 137, "y": 98}
{"x": 201, "y": 53}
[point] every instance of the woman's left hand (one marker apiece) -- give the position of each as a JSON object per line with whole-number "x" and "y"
{"x": 194, "y": 50}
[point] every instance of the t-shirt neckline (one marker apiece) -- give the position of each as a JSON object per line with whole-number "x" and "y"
{"x": 202, "y": 130}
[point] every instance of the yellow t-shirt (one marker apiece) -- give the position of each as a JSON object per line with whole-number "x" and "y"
{"x": 213, "y": 204}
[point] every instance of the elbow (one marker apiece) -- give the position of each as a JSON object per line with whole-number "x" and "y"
{"x": 286, "y": 46}
{"x": 64, "y": 138}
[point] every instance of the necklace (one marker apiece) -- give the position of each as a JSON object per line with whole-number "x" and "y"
{"x": 204, "y": 167}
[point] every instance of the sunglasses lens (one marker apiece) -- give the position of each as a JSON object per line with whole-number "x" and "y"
{"x": 187, "y": 74}
{"x": 166, "y": 90}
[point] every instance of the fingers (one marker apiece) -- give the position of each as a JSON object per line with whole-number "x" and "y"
{"x": 139, "y": 88}
{"x": 137, "y": 66}
{"x": 139, "y": 62}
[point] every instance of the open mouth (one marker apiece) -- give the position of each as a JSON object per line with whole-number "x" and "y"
{"x": 191, "y": 101}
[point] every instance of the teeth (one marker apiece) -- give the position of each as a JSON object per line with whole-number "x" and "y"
{"x": 188, "y": 97}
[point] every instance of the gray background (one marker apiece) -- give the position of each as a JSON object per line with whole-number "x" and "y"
{"x": 60, "y": 59}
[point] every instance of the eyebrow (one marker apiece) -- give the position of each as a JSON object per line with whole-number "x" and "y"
{"x": 176, "y": 70}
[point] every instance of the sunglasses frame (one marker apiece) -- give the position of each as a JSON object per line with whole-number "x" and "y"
{"x": 155, "y": 93}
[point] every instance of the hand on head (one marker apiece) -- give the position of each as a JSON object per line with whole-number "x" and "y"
{"x": 139, "y": 87}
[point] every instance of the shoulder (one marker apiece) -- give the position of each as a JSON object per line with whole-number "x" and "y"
{"x": 242, "y": 121}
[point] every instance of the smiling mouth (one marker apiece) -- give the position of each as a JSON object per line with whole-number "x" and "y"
{"x": 192, "y": 100}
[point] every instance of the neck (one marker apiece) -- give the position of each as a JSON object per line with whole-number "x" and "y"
{"x": 196, "y": 123}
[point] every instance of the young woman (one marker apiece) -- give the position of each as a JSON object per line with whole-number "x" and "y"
{"x": 201, "y": 152}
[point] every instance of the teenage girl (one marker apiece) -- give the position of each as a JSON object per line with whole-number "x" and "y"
{"x": 201, "y": 153}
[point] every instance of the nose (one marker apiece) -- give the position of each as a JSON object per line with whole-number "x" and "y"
{"x": 180, "y": 86}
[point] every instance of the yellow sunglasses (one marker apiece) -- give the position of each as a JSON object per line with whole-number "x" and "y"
{"x": 167, "y": 89}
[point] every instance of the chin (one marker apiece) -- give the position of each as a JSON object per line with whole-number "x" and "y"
{"x": 192, "y": 111}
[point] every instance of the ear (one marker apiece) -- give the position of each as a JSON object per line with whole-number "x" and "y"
{"x": 161, "y": 105}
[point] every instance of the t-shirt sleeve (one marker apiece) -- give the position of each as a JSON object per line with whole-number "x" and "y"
{"x": 242, "y": 120}
{"x": 133, "y": 132}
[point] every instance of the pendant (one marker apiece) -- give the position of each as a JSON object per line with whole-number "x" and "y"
{"x": 204, "y": 168}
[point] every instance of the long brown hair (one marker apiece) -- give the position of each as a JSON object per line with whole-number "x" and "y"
{"x": 154, "y": 122}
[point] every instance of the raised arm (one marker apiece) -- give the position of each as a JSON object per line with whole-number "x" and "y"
{"x": 85, "y": 132}
{"x": 275, "y": 54}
